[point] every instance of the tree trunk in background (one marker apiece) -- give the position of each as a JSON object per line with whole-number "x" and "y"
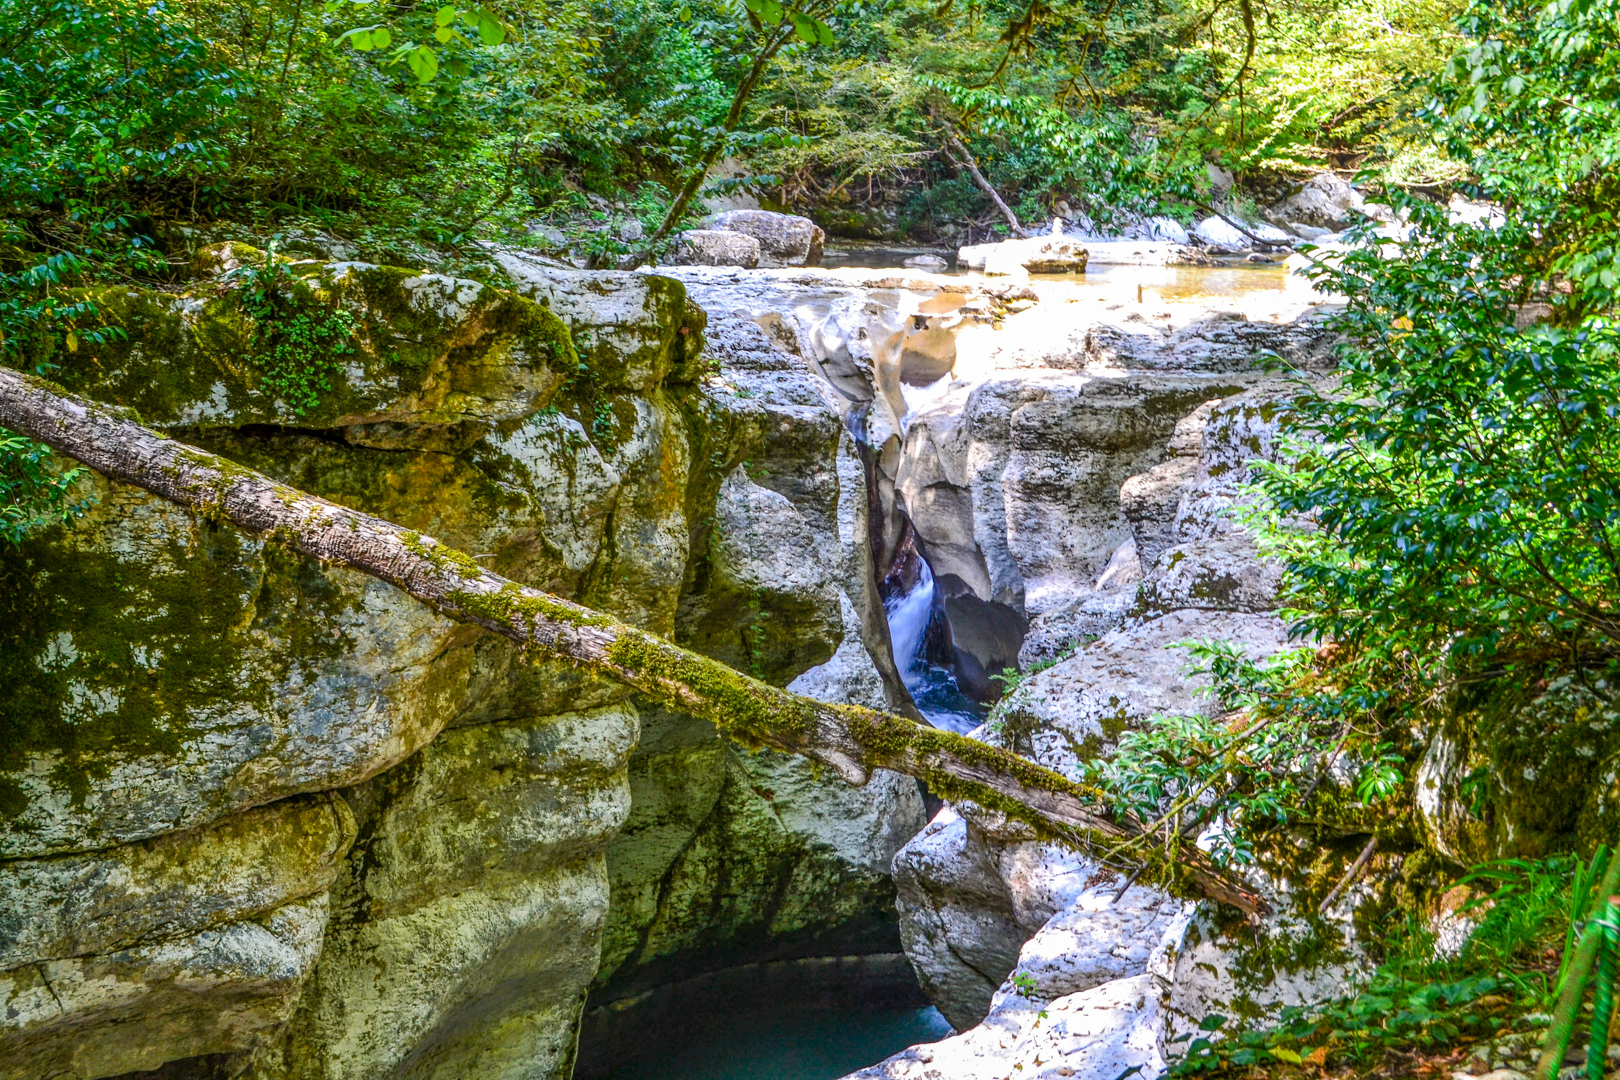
{"x": 959, "y": 154}
{"x": 851, "y": 740}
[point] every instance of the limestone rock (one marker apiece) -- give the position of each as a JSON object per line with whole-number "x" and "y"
{"x": 482, "y": 863}
{"x": 1060, "y": 630}
{"x": 173, "y": 731}
{"x": 1222, "y": 573}
{"x": 784, "y": 239}
{"x": 222, "y": 990}
{"x": 100, "y": 902}
{"x": 1102, "y": 935}
{"x": 1126, "y": 677}
{"x": 635, "y": 331}
{"x": 1222, "y": 235}
{"x": 1035, "y": 255}
{"x": 189, "y": 703}
{"x": 1097, "y": 1034}
{"x": 848, "y": 677}
{"x": 772, "y": 607}
{"x": 1150, "y": 501}
{"x": 1289, "y": 960}
{"x": 957, "y": 920}
{"x": 426, "y": 349}
{"x": 717, "y": 247}
{"x": 1325, "y": 201}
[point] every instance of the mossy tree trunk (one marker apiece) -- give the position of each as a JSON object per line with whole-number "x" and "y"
{"x": 851, "y": 740}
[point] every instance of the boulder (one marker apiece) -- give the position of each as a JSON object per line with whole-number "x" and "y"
{"x": 1166, "y": 228}
{"x": 784, "y": 239}
{"x": 933, "y": 264}
{"x": 1326, "y": 201}
{"x": 957, "y": 919}
{"x": 1034, "y": 255}
{"x": 1103, "y": 1033}
{"x": 717, "y": 247}
{"x": 1222, "y": 235}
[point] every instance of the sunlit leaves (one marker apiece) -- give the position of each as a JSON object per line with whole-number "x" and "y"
{"x": 809, "y": 29}
{"x": 449, "y": 25}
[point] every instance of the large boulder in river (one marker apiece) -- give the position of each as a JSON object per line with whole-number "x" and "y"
{"x": 784, "y": 239}
{"x": 717, "y": 247}
{"x": 1325, "y": 201}
{"x": 1033, "y": 255}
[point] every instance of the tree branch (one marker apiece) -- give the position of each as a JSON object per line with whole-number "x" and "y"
{"x": 960, "y": 155}
{"x": 851, "y": 740}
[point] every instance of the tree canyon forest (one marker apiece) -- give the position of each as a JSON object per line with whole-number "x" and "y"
{"x": 809, "y": 540}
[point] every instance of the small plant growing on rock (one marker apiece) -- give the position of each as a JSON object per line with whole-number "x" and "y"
{"x": 296, "y": 342}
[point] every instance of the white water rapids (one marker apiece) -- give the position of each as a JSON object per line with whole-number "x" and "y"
{"x": 908, "y": 622}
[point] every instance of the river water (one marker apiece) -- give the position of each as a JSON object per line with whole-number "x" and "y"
{"x": 811, "y": 1044}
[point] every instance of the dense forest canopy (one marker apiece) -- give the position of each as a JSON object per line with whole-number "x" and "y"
{"x": 569, "y": 113}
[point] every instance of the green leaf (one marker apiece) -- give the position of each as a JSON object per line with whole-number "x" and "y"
{"x": 446, "y": 15}
{"x": 824, "y": 33}
{"x": 381, "y": 38}
{"x": 443, "y": 34}
{"x": 804, "y": 27}
{"x": 361, "y": 40}
{"x": 424, "y": 63}
{"x": 1289, "y": 1056}
{"x": 490, "y": 30}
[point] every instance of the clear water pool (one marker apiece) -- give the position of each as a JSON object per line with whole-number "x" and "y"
{"x": 811, "y": 1044}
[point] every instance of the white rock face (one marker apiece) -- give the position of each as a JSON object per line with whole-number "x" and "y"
{"x": 957, "y": 919}
{"x": 784, "y": 239}
{"x": 1033, "y": 255}
{"x": 215, "y": 991}
{"x": 1325, "y": 201}
{"x": 1093, "y": 1035}
{"x": 717, "y": 247}
{"x": 1220, "y": 234}
{"x": 970, "y": 887}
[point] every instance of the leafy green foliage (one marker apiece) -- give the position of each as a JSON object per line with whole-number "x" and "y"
{"x": 1533, "y": 105}
{"x": 32, "y": 491}
{"x": 297, "y": 343}
{"x": 1449, "y": 511}
{"x": 1110, "y": 167}
{"x": 1417, "y": 1002}
{"x": 449, "y": 24}
{"x": 1252, "y": 766}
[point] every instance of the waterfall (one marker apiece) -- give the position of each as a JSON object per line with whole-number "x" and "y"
{"x": 908, "y": 622}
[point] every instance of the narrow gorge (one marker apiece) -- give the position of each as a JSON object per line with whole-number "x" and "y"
{"x": 275, "y": 819}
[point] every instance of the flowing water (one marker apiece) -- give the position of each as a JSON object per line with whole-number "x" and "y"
{"x": 932, "y": 687}
{"x": 908, "y": 623}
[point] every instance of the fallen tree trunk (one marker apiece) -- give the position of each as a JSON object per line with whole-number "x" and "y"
{"x": 851, "y": 740}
